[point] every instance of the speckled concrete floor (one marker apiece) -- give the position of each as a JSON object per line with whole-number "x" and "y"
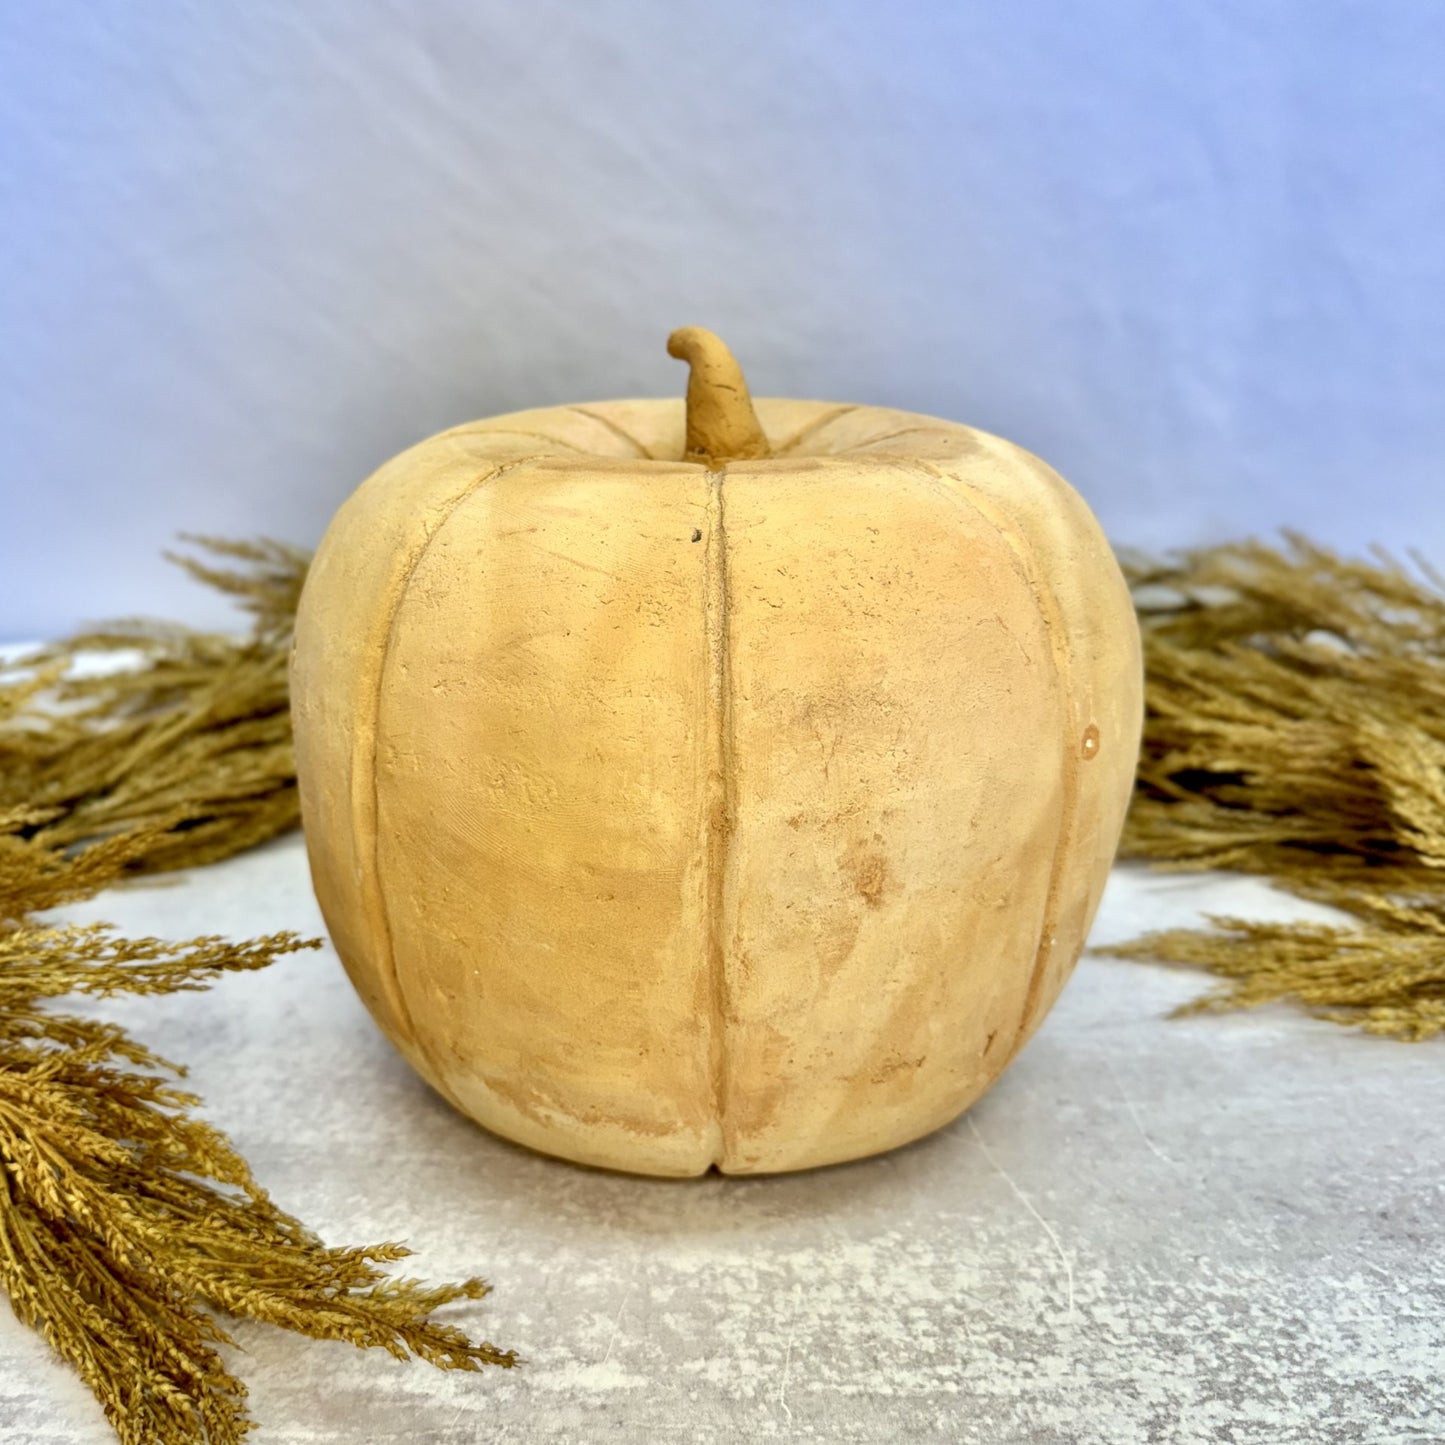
{"x": 1215, "y": 1229}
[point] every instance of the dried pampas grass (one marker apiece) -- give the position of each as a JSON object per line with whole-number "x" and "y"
{"x": 1295, "y": 728}
{"x": 128, "y": 1224}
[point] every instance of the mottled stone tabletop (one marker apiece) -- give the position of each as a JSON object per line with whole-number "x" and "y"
{"x": 1218, "y": 1228}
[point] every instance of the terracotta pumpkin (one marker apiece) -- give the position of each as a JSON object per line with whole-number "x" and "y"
{"x": 723, "y": 785}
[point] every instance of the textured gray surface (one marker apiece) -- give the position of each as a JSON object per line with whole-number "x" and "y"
{"x": 1217, "y": 1229}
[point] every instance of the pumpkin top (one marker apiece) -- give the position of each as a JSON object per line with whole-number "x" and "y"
{"x": 721, "y": 424}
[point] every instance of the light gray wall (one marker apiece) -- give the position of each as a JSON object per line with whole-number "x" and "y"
{"x": 1191, "y": 253}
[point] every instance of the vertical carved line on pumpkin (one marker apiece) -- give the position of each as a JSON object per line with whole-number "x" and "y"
{"x": 1051, "y": 612}
{"x": 366, "y": 779}
{"x": 720, "y": 804}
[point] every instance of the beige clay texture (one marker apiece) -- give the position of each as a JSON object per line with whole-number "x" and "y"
{"x": 729, "y": 784}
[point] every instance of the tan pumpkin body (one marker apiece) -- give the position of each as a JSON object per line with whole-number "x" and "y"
{"x": 668, "y": 817}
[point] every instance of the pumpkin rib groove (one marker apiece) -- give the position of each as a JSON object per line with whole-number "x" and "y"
{"x": 807, "y": 433}
{"x": 536, "y": 436}
{"x": 620, "y": 432}
{"x": 865, "y": 449}
{"x": 1063, "y": 653}
{"x": 721, "y": 806}
{"x": 368, "y": 731}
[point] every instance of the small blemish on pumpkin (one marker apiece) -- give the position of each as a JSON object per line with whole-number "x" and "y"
{"x": 895, "y": 1066}
{"x": 1090, "y": 748}
{"x": 870, "y": 874}
{"x": 988, "y": 1042}
{"x": 697, "y": 534}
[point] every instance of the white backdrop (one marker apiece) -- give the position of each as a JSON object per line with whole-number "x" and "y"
{"x": 1191, "y": 254}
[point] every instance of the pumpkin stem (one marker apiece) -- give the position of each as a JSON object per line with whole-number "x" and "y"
{"x": 721, "y": 423}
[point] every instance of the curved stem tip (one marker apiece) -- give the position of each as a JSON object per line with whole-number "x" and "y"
{"x": 721, "y": 423}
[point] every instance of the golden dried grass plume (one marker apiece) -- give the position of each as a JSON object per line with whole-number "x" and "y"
{"x": 129, "y": 1226}
{"x": 1295, "y": 728}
